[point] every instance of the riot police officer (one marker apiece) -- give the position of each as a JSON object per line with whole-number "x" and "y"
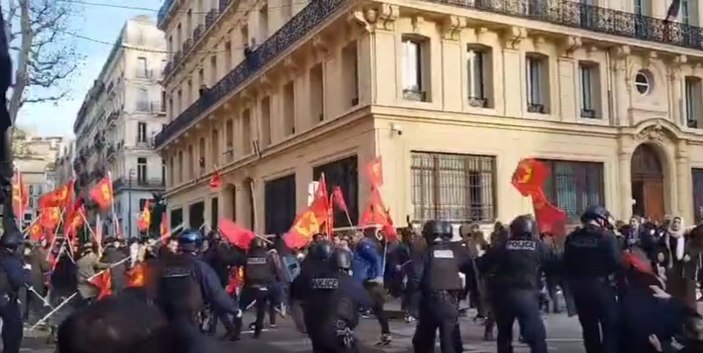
{"x": 331, "y": 300}
{"x": 439, "y": 287}
{"x": 12, "y": 278}
{"x": 515, "y": 293}
{"x": 591, "y": 258}
{"x": 186, "y": 283}
{"x": 259, "y": 275}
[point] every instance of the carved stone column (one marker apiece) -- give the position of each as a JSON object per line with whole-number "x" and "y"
{"x": 683, "y": 182}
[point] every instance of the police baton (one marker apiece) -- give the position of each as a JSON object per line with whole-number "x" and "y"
{"x": 52, "y": 312}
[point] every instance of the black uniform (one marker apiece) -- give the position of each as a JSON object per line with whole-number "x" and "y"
{"x": 12, "y": 278}
{"x": 259, "y": 275}
{"x": 591, "y": 257}
{"x": 439, "y": 286}
{"x": 330, "y": 300}
{"x": 515, "y": 287}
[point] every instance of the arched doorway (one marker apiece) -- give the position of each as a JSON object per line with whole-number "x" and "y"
{"x": 647, "y": 176}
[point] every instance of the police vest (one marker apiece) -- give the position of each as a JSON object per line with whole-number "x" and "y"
{"x": 258, "y": 269}
{"x": 585, "y": 255}
{"x": 327, "y": 300}
{"x": 178, "y": 292}
{"x": 520, "y": 267}
{"x": 442, "y": 269}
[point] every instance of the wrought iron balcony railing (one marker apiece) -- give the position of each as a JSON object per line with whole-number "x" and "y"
{"x": 124, "y": 182}
{"x": 561, "y": 12}
{"x": 307, "y": 19}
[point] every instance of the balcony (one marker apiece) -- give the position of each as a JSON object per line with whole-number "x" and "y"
{"x": 566, "y": 13}
{"x": 199, "y": 31}
{"x": 124, "y": 183}
{"x": 299, "y": 26}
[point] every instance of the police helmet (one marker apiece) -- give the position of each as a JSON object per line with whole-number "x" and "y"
{"x": 190, "y": 240}
{"x": 595, "y": 213}
{"x": 11, "y": 240}
{"x": 257, "y": 243}
{"x": 342, "y": 259}
{"x": 322, "y": 250}
{"x": 523, "y": 225}
{"x": 434, "y": 230}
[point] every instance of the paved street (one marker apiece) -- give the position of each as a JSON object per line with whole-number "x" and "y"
{"x": 563, "y": 332}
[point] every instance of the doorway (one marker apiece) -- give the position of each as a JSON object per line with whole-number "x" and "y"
{"x": 647, "y": 176}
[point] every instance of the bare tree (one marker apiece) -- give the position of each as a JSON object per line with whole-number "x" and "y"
{"x": 44, "y": 57}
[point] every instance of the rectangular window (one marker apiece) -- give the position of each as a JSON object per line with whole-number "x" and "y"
{"x": 171, "y": 172}
{"x": 289, "y": 109}
{"x": 163, "y": 172}
{"x": 246, "y": 132}
{"x": 317, "y": 96}
{"x": 229, "y": 139}
{"x": 479, "y": 70}
{"x": 573, "y": 186}
{"x": 263, "y": 23}
{"x": 142, "y": 68}
{"x": 201, "y": 155}
{"x": 693, "y": 97}
{"x": 589, "y": 76}
{"x": 453, "y": 187}
{"x": 213, "y": 70}
{"x": 181, "y": 167}
{"x": 141, "y": 171}
{"x": 350, "y": 71}
{"x": 215, "y": 148}
{"x": 141, "y": 132}
{"x": 214, "y": 211}
{"x": 697, "y": 195}
{"x": 345, "y": 174}
{"x": 685, "y": 12}
{"x": 413, "y": 65}
{"x": 279, "y": 204}
{"x": 266, "y": 121}
{"x": 189, "y": 169}
{"x": 536, "y": 84}
{"x": 228, "y": 55}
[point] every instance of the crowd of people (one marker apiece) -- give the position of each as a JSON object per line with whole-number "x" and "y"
{"x": 615, "y": 277}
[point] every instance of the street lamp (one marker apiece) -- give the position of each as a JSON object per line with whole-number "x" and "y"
{"x": 129, "y": 201}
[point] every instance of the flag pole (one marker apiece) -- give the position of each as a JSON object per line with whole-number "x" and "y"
{"x": 112, "y": 204}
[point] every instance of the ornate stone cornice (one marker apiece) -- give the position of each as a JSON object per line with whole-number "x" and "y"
{"x": 514, "y": 36}
{"x": 381, "y": 17}
{"x": 452, "y": 27}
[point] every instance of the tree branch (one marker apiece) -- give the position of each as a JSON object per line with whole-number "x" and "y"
{"x": 44, "y": 60}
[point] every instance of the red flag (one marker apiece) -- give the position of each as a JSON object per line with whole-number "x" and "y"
{"x": 326, "y": 202}
{"x": 374, "y": 171}
{"x": 36, "y": 232}
{"x": 307, "y": 224}
{"x": 338, "y": 198}
{"x": 215, "y": 180}
{"x": 74, "y": 221}
{"x": 529, "y": 177}
{"x": 60, "y": 197}
{"x": 550, "y": 219}
{"x": 638, "y": 260}
{"x": 102, "y": 193}
{"x": 104, "y": 283}
{"x": 235, "y": 235}
{"x": 376, "y": 213}
{"x": 49, "y": 218}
